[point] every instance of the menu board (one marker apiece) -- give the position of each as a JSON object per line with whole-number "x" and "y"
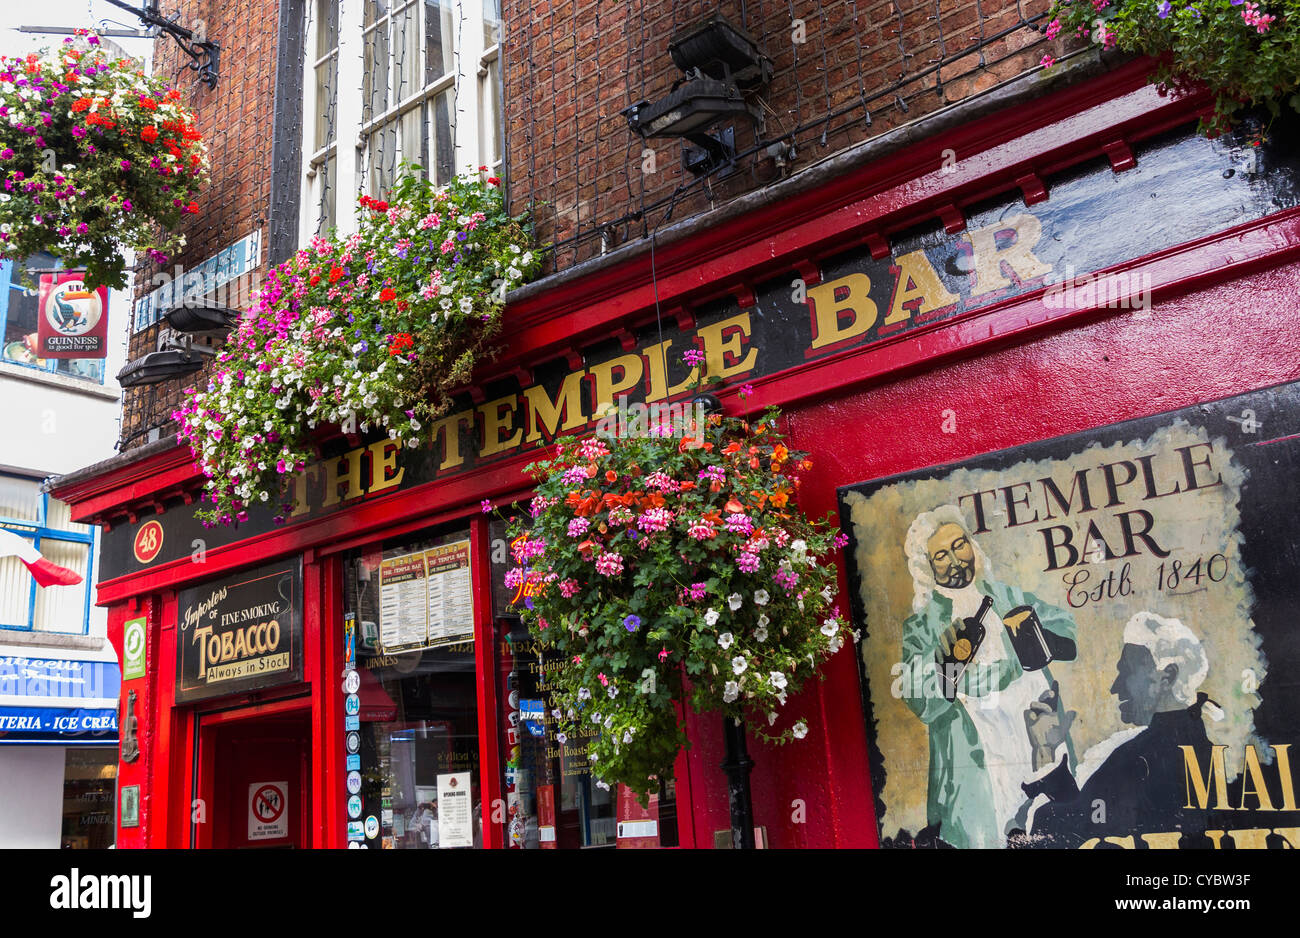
{"x": 451, "y": 607}
{"x": 425, "y": 597}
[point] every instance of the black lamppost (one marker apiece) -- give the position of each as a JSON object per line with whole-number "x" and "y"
{"x": 737, "y": 765}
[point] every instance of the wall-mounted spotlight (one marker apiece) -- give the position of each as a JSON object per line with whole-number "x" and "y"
{"x": 720, "y": 63}
{"x": 159, "y": 366}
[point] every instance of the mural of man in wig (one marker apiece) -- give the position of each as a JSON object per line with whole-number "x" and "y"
{"x": 980, "y": 751}
{"x": 1135, "y": 780}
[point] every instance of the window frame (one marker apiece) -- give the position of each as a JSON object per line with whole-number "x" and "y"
{"x": 472, "y": 80}
{"x": 39, "y": 530}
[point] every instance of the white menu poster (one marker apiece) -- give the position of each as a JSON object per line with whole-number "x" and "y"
{"x": 455, "y": 810}
{"x": 403, "y": 607}
{"x": 450, "y": 591}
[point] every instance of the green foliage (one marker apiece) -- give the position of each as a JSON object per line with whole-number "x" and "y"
{"x": 663, "y": 570}
{"x": 1247, "y": 53}
{"x": 95, "y": 157}
{"x": 373, "y": 330}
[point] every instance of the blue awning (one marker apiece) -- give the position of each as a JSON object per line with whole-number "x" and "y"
{"x": 58, "y": 696}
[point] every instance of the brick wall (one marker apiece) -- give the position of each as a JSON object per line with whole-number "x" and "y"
{"x": 235, "y": 119}
{"x": 571, "y": 67}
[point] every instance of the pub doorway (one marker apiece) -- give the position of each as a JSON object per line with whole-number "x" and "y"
{"x": 254, "y": 780}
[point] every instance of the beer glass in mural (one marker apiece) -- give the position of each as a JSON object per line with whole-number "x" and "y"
{"x": 1078, "y": 643}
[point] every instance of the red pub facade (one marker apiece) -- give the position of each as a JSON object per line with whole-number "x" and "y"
{"x": 1034, "y": 263}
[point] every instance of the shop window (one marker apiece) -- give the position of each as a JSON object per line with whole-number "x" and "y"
{"x": 429, "y": 78}
{"x": 89, "y": 784}
{"x": 408, "y": 605}
{"x": 32, "y": 514}
{"x": 18, "y": 323}
{"x": 551, "y": 798}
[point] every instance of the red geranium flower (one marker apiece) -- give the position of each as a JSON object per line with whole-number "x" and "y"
{"x": 386, "y": 294}
{"x": 493, "y": 181}
{"x": 335, "y": 274}
{"x": 149, "y": 134}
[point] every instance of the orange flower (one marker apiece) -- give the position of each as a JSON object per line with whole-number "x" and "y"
{"x": 686, "y": 486}
{"x": 733, "y": 507}
{"x": 712, "y": 517}
{"x": 760, "y": 498}
{"x": 780, "y": 497}
{"x": 731, "y": 448}
{"x": 780, "y": 453}
{"x": 611, "y": 475}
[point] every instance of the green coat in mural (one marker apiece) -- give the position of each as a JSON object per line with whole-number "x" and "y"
{"x": 960, "y": 799}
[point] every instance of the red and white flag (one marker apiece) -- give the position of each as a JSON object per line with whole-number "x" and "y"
{"x": 46, "y": 572}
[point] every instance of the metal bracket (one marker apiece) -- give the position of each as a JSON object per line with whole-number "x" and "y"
{"x": 711, "y": 153}
{"x": 205, "y": 54}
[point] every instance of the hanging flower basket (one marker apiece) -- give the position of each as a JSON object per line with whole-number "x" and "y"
{"x": 95, "y": 158}
{"x": 1246, "y": 52}
{"x": 367, "y": 332}
{"x": 675, "y": 566}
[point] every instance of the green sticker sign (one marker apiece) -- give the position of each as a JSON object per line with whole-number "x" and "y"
{"x": 133, "y": 636}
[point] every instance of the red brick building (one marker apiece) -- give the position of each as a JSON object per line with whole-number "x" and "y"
{"x": 925, "y": 249}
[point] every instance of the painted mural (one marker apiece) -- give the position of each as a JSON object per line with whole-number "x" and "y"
{"x": 1088, "y": 641}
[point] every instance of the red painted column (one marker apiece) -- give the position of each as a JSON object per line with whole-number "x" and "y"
{"x": 486, "y": 669}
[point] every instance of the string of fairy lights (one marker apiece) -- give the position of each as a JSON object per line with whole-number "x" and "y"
{"x": 558, "y": 169}
{"x": 799, "y": 105}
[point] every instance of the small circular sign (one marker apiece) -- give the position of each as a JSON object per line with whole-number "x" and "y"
{"x": 353, "y": 741}
{"x": 268, "y": 804}
{"x": 354, "y": 782}
{"x": 354, "y": 806}
{"x": 351, "y": 681}
{"x": 355, "y": 846}
{"x": 71, "y": 309}
{"x": 148, "y": 541}
{"x": 372, "y": 827}
{"x": 352, "y": 705}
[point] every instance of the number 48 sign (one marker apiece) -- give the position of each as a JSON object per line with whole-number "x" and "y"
{"x": 268, "y": 815}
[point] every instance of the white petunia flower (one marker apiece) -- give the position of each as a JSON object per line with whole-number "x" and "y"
{"x": 711, "y": 617}
{"x": 725, "y": 640}
{"x": 760, "y": 634}
{"x": 730, "y": 691}
{"x": 829, "y": 628}
{"x": 800, "y": 730}
{"x": 739, "y": 664}
{"x": 734, "y": 601}
{"x": 778, "y": 680}
{"x": 761, "y": 597}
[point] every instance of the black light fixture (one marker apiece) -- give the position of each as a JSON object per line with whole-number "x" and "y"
{"x": 195, "y": 317}
{"x": 720, "y": 62}
{"x": 720, "y": 50}
{"x": 159, "y": 366}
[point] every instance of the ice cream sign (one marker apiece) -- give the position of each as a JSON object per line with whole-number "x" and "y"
{"x": 73, "y": 317}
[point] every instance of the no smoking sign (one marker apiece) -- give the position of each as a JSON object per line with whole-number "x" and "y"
{"x": 268, "y": 815}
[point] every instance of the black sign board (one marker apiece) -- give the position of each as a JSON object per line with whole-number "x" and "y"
{"x": 1094, "y": 219}
{"x": 240, "y": 633}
